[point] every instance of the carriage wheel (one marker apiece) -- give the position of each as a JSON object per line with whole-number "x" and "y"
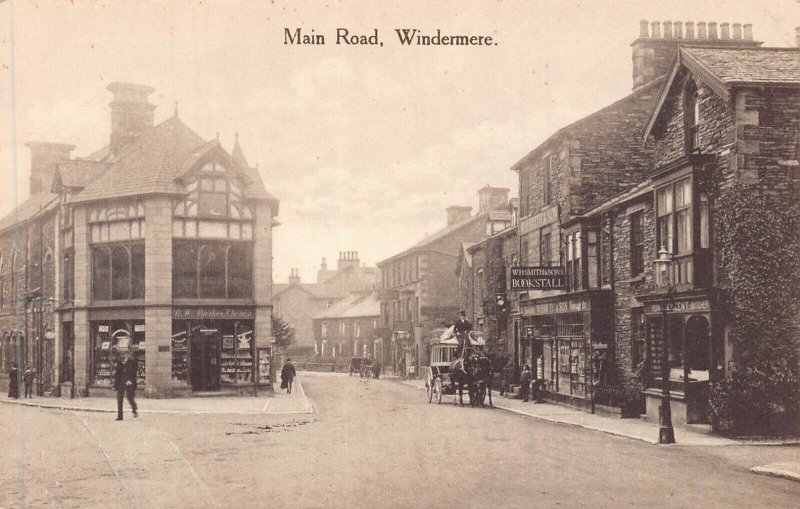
{"x": 437, "y": 388}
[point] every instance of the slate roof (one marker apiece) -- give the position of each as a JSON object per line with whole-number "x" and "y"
{"x": 78, "y": 172}
{"x": 43, "y": 202}
{"x": 148, "y": 165}
{"x": 750, "y": 66}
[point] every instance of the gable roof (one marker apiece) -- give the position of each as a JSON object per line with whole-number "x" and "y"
{"x": 724, "y": 69}
{"x": 38, "y": 203}
{"x": 77, "y": 173}
{"x": 426, "y": 242}
{"x": 148, "y": 165}
{"x": 588, "y": 121}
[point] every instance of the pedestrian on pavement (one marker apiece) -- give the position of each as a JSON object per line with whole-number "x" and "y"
{"x": 125, "y": 382}
{"x": 28, "y": 377}
{"x": 287, "y": 375}
{"x": 525, "y": 379}
{"x": 13, "y": 381}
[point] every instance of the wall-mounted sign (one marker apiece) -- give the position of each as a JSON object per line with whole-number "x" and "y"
{"x": 102, "y": 328}
{"x": 538, "y": 278}
{"x": 537, "y": 221}
{"x": 214, "y": 313}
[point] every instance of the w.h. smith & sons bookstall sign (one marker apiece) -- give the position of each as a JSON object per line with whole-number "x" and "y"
{"x": 538, "y": 278}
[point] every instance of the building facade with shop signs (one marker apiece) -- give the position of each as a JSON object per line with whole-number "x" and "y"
{"x": 298, "y": 303}
{"x": 708, "y": 113}
{"x": 484, "y": 274}
{"x": 164, "y": 250}
{"x": 349, "y": 328}
{"x": 419, "y": 290}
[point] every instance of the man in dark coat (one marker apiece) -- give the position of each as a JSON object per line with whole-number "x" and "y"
{"x": 125, "y": 382}
{"x": 462, "y": 328}
{"x": 525, "y": 382}
{"x": 287, "y": 375}
{"x": 13, "y": 381}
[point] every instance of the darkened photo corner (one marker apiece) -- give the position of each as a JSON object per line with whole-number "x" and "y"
{"x": 484, "y": 254}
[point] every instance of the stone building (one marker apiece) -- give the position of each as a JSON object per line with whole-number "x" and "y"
{"x": 164, "y": 250}
{"x": 419, "y": 290}
{"x": 298, "y": 303}
{"x": 349, "y": 328}
{"x": 581, "y": 167}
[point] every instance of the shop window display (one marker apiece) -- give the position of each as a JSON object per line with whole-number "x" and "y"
{"x": 111, "y": 339}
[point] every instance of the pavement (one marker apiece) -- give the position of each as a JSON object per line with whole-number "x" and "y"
{"x": 636, "y": 429}
{"x": 277, "y": 403}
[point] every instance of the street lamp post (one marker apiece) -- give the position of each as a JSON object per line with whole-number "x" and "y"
{"x": 666, "y": 433}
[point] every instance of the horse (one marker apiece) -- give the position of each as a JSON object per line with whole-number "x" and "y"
{"x": 481, "y": 374}
{"x": 460, "y": 377}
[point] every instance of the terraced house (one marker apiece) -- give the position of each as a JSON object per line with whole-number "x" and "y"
{"x": 164, "y": 250}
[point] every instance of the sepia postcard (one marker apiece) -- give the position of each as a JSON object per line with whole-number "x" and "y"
{"x": 484, "y": 253}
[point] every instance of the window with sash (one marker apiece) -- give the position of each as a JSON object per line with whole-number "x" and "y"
{"x": 680, "y": 224}
{"x": 637, "y": 243}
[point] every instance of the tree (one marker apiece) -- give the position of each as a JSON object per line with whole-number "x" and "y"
{"x": 283, "y": 332}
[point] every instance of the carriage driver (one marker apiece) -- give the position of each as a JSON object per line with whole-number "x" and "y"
{"x": 462, "y": 328}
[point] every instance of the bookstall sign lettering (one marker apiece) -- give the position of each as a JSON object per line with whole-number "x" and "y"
{"x": 538, "y": 278}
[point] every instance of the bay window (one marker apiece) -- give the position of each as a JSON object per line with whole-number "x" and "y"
{"x": 583, "y": 259}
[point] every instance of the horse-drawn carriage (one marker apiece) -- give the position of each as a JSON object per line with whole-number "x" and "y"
{"x": 451, "y": 370}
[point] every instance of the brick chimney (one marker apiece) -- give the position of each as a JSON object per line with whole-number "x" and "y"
{"x": 348, "y": 260}
{"x": 44, "y": 159}
{"x": 457, "y": 214}
{"x": 294, "y": 277}
{"x": 654, "y": 55}
{"x": 131, "y": 114}
{"x": 491, "y": 198}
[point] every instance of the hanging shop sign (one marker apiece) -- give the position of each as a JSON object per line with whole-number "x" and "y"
{"x": 538, "y": 278}
{"x": 214, "y": 313}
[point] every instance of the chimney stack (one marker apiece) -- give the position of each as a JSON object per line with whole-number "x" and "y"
{"x": 131, "y": 114}
{"x": 491, "y": 198}
{"x": 45, "y": 157}
{"x": 644, "y": 29}
{"x": 654, "y": 55}
{"x": 348, "y": 260}
{"x": 294, "y": 277}
{"x": 458, "y": 214}
{"x": 701, "y": 30}
{"x": 656, "y": 30}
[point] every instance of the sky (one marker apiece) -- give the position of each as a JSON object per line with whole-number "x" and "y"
{"x": 364, "y": 146}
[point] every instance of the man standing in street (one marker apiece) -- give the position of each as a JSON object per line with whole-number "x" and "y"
{"x": 525, "y": 381}
{"x": 287, "y": 374}
{"x": 462, "y": 328}
{"x": 125, "y": 383}
{"x": 27, "y": 378}
{"x": 13, "y": 381}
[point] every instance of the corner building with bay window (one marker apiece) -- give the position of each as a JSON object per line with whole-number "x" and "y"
{"x": 166, "y": 252}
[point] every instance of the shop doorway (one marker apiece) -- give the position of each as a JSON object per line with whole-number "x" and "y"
{"x": 205, "y": 360}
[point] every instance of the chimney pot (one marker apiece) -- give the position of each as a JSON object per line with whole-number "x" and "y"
{"x": 748, "y": 31}
{"x": 712, "y": 30}
{"x": 701, "y": 30}
{"x": 656, "y": 30}
{"x": 678, "y": 30}
{"x": 737, "y": 31}
{"x": 644, "y": 33}
{"x": 725, "y": 31}
{"x": 668, "y": 30}
{"x": 690, "y": 30}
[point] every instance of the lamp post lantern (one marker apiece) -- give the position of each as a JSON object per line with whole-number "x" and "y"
{"x": 666, "y": 433}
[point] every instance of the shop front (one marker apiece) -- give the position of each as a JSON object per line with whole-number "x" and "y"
{"x": 214, "y": 349}
{"x": 695, "y": 353}
{"x": 568, "y": 337}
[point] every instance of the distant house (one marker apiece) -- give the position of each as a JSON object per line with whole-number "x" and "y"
{"x": 298, "y": 303}
{"x": 419, "y": 291}
{"x": 350, "y": 328}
